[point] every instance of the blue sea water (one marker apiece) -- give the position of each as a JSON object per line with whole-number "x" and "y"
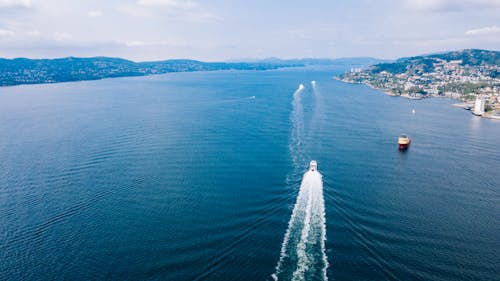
{"x": 195, "y": 176}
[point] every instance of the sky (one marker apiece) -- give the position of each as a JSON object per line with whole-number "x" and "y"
{"x": 218, "y": 30}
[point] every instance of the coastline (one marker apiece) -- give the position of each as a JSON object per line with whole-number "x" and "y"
{"x": 237, "y": 66}
{"x": 491, "y": 116}
{"x": 385, "y": 91}
{"x": 132, "y": 76}
{"x": 463, "y": 105}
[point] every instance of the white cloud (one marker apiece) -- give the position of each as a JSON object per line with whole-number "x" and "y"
{"x": 62, "y": 36}
{"x": 33, "y": 33}
{"x": 94, "y": 14}
{"x": 15, "y": 3}
{"x": 432, "y": 42}
{"x": 298, "y": 33}
{"x": 174, "y": 4}
{"x": 153, "y": 44}
{"x": 136, "y": 12}
{"x": 171, "y": 10}
{"x": 483, "y": 30}
{"x": 137, "y": 44}
{"x": 6, "y": 32}
{"x": 451, "y": 5}
{"x": 199, "y": 17}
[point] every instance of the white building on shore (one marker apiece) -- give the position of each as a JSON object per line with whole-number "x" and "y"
{"x": 479, "y": 105}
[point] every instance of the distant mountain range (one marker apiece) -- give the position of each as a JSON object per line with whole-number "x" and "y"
{"x": 354, "y": 61}
{"x": 36, "y": 71}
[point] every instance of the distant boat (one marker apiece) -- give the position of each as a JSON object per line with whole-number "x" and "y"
{"x": 404, "y": 142}
{"x": 413, "y": 111}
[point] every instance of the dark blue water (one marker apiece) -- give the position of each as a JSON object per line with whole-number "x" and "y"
{"x": 190, "y": 176}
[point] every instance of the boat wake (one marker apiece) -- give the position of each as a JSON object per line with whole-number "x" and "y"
{"x": 315, "y": 127}
{"x": 297, "y": 120}
{"x": 303, "y": 255}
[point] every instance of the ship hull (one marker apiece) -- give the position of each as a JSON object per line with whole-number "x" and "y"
{"x": 404, "y": 146}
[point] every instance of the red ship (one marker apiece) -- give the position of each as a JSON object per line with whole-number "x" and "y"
{"x": 403, "y": 142}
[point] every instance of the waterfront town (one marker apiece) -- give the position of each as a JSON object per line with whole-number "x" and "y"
{"x": 476, "y": 85}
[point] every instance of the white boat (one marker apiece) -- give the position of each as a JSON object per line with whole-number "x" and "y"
{"x": 313, "y": 166}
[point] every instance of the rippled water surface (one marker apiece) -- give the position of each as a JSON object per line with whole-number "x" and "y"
{"x": 194, "y": 176}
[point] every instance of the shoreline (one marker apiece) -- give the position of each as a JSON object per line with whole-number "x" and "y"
{"x": 462, "y": 104}
{"x": 137, "y": 76}
{"x": 491, "y": 116}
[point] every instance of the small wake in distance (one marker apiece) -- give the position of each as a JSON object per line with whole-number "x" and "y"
{"x": 297, "y": 120}
{"x": 303, "y": 255}
{"x": 317, "y": 121}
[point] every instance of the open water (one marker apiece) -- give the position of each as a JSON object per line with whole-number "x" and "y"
{"x": 198, "y": 176}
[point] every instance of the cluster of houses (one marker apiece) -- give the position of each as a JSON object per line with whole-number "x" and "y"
{"x": 476, "y": 84}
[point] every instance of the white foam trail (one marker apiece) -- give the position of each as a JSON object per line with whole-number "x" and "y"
{"x": 302, "y": 263}
{"x": 314, "y": 221}
{"x": 323, "y": 234}
{"x": 297, "y": 120}
{"x": 318, "y": 113}
{"x": 308, "y": 219}
{"x": 316, "y": 129}
{"x": 317, "y": 93}
{"x": 305, "y": 237}
{"x": 291, "y": 224}
{"x": 235, "y": 100}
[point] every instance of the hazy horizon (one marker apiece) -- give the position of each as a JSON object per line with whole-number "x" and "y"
{"x": 151, "y": 30}
{"x": 244, "y": 59}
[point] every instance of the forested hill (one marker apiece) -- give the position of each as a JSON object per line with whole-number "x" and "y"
{"x": 425, "y": 64}
{"x": 36, "y": 71}
{"x": 464, "y": 74}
